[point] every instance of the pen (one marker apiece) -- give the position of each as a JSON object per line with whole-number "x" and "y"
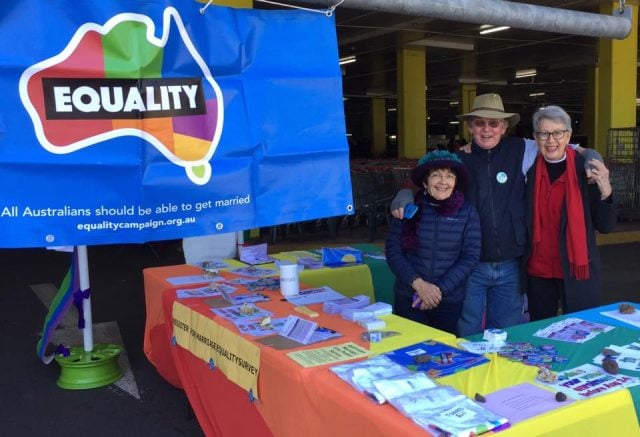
{"x": 416, "y": 300}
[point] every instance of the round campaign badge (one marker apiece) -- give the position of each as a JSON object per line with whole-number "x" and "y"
{"x": 501, "y": 177}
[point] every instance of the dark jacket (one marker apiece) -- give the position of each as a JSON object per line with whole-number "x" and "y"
{"x": 599, "y": 215}
{"x": 448, "y": 250}
{"x": 496, "y": 189}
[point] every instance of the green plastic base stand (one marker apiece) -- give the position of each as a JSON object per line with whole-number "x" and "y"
{"x": 81, "y": 370}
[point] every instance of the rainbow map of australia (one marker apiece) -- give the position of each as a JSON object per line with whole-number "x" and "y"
{"x": 111, "y": 80}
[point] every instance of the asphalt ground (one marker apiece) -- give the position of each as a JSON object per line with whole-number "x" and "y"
{"x": 31, "y": 404}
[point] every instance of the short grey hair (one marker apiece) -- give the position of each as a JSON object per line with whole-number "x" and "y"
{"x": 553, "y": 113}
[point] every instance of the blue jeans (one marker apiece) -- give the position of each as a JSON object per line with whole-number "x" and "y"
{"x": 493, "y": 291}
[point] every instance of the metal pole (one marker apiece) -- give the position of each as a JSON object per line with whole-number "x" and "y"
{"x": 502, "y": 13}
{"x": 83, "y": 271}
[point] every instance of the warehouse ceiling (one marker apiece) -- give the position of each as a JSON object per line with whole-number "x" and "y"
{"x": 562, "y": 63}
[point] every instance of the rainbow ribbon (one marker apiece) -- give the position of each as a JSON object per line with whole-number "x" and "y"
{"x": 61, "y": 303}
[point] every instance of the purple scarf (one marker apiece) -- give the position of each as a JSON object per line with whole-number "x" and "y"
{"x": 446, "y": 207}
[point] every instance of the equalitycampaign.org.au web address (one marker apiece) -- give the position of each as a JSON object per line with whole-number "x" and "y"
{"x": 149, "y": 224}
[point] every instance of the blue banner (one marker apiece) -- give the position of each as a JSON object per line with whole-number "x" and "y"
{"x": 130, "y": 121}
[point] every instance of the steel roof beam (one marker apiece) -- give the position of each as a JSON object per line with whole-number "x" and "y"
{"x": 502, "y": 13}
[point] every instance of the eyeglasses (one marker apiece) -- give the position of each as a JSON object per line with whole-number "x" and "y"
{"x": 477, "y": 122}
{"x": 556, "y": 134}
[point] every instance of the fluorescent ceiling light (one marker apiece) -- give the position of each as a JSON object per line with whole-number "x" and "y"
{"x": 637, "y": 102}
{"x": 455, "y": 44}
{"x": 529, "y": 72}
{"x": 454, "y": 122}
{"x": 489, "y": 28}
{"x": 392, "y": 109}
{"x": 347, "y": 60}
{"x": 537, "y": 94}
{"x": 481, "y": 80}
{"x": 378, "y": 93}
{"x": 392, "y": 137}
{"x": 454, "y": 103}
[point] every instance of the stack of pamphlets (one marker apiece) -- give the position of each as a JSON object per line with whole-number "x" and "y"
{"x": 368, "y": 312}
{"x": 360, "y": 375}
{"x": 442, "y": 410}
{"x": 435, "y": 358}
{"x": 339, "y": 305}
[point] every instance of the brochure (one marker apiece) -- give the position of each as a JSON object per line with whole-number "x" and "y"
{"x": 205, "y": 291}
{"x": 632, "y": 319}
{"x": 435, "y": 358}
{"x": 627, "y": 356}
{"x": 253, "y": 272}
{"x": 314, "y": 295}
{"x": 298, "y": 329}
{"x": 523, "y": 401}
{"x": 445, "y": 410}
{"x": 258, "y": 328}
{"x": 311, "y": 263}
{"x": 246, "y": 311}
{"x": 573, "y": 330}
{"x": 254, "y": 255}
{"x": 586, "y": 381}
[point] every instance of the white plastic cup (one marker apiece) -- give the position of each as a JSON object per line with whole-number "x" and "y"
{"x": 289, "y": 280}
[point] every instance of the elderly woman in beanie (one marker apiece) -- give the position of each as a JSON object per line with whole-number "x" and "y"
{"x": 563, "y": 211}
{"x": 433, "y": 253}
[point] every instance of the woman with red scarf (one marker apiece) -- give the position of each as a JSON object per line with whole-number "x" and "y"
{"x": 566, "y": 203}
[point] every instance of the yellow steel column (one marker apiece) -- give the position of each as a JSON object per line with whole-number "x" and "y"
{"x": 467, "y": 94}
{"x": 617, "y": 71}
{"x": 378, "y": 126}
{"x": 412, "y": 104}
{"x": 467, "y": 91}
{"x": 590, "y": 120}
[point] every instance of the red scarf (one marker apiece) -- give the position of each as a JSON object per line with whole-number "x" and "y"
{"x": 576, "y": 229}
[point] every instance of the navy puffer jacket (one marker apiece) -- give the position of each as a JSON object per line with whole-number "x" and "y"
{"x": 448, "y": 249}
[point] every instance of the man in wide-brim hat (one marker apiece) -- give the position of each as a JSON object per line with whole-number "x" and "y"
{"x": 496, "y": 189}
{"x": 488, "y": 121}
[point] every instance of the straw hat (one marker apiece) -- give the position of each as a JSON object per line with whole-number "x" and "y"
{"x": 490, "y": 106}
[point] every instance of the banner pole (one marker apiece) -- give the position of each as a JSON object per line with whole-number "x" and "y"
{"x": 96, "y": 365}
{"x": 83, "y": 270}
